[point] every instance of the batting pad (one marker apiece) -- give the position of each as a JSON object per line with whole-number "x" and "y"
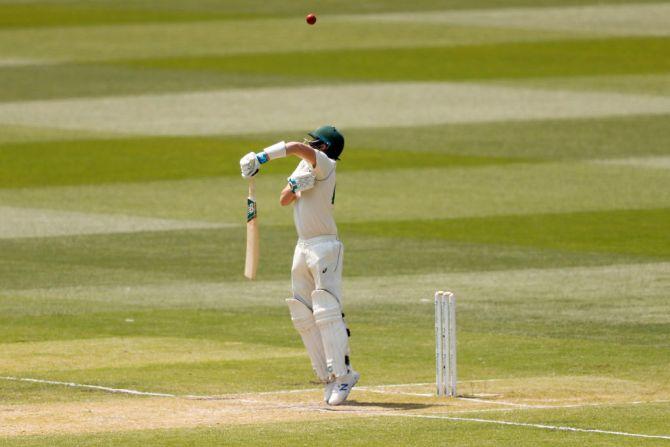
{"x": 304, "y": 323}
{"x": 328, "y": 316}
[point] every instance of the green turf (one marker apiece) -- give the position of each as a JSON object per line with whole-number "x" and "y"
{"x": 87, "y": 161}
{"x": 544, "y": 139}
{"x": 287, "y": 35}
{"x": 118, "y": 160}
{"x": 42, "y": 14}
{"x": 147, "y": 159}
{"x": 375, "y": 344}
{"x": 144, "y": 159}
{"x": 64, "y": 81}
{"x": 24, "y": 134}
{"x": 640, "y": 232}
{"x": 381, "y": 432}
{"x": 493, "y": 61}
{"x": 472, "y": 191}
{"x": 77, "y": 13}
{"x": 371, "y": 248}
{"x": 553, "y": 233}
{"x": 650, "y": 84}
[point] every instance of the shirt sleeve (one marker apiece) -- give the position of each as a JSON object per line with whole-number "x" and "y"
{"x": 302, "y": 167}
{"x": 324, "y": 166}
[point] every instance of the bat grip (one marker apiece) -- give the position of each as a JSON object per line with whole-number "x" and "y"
{"x": 252, "y": 188}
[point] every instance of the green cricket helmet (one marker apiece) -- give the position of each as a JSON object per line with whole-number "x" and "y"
{"x": 333, "y": 139}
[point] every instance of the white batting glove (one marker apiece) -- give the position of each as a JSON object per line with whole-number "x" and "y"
{"x": 302, "y": 182}
{"x": 249, "y": 165}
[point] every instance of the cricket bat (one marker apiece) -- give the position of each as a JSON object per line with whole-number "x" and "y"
{"x": 253, "y": 237}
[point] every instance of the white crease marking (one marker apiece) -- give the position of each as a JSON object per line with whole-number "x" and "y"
{"x": 527, "y": 424}
{"x": 373, "y": 388}
{"x": 91, "y": 387}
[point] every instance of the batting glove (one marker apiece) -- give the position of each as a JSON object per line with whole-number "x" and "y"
{"x": 249, "y": 165}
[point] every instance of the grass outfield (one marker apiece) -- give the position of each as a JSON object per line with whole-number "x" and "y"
{"x": 517, "y": 153}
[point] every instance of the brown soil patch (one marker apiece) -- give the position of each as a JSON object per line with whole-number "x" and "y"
{"x": 122, "y": 413}
{"x": 136, "y": 413}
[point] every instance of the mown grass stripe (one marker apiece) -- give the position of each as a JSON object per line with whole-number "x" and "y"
{"x": 168, "y": 158}
{"x": 52, "y": 14}
{"x": 631, "y": 19}
{"x": 237, "y": 111}
{"x": 22, "y": 222}
{"x": 583, "y": 138}
{"x": 563, "y": 58}
{"x": 625, "y": 232}
{"x": 373, "y": 248}
{"x": 49, "y": 14}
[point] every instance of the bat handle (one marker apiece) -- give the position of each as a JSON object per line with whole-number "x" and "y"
{"x": 252, "y": 188}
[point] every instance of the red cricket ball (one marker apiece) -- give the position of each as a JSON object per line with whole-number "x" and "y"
{"x": 311, "y": 19}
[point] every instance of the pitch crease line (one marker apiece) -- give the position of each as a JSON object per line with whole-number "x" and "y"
{"x": 188, "y": 396}
{"x": 527, "y": 424}
{"x": 93, "y": 387}
{"x": 153, "y": 394}
{"x": 498, "y": 402}
{"x": 374, "y": 388}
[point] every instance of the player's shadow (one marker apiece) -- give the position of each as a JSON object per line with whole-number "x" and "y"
{"x": 391, "y": 405}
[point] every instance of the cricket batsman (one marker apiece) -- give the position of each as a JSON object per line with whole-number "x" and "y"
{"x": 316, "y": 274}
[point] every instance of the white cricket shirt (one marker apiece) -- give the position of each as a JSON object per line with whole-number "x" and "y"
{"x": 313, "y": 211}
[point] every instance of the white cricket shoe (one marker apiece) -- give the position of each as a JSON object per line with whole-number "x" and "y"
{"x": 342, "y": 388}
{"x": 328, "y": 390}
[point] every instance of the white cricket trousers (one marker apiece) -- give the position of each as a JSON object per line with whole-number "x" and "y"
{"x": 317, "y": 264}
